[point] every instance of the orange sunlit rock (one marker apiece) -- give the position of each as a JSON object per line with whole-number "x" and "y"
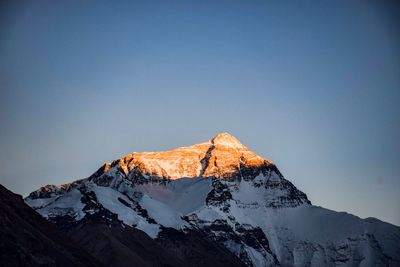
{"x": 221, "y": 156}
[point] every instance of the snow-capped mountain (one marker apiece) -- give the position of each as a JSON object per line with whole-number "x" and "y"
{"x": 226, "y": 196}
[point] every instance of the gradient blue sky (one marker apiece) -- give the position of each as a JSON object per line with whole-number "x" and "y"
{"x": 312, "y": 85}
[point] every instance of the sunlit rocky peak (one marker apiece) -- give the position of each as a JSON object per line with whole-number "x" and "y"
{"x": 225, "y": 139}
{"x": 221, "y": 156}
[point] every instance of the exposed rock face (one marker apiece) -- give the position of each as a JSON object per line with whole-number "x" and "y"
{"x": 26, "y": 239}
{"x": 222, "y": 156}
{"x": 219, "y": 195}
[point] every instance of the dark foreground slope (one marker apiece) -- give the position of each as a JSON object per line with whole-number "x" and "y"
{"x": 27, "y": 239}
{"x": 116, "y": 244}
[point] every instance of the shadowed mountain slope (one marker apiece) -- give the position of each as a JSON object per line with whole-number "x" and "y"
{"x": 27, "y": 239}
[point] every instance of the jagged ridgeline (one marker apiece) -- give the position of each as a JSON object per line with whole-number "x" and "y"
{"x": 215, "y": 203}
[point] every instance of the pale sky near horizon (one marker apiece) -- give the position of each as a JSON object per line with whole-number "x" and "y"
{"x": 312, "y": 85}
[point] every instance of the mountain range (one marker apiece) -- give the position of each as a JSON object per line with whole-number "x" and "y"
{"x": 215, "y": 203}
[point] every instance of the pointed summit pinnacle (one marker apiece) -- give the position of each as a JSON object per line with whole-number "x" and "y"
{"x": 228, "y": 140}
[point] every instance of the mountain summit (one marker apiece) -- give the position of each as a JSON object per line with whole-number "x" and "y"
{"x": 221, "y": 156}
{"x": 225, "y": 139}
{"x": 215, "y": 203}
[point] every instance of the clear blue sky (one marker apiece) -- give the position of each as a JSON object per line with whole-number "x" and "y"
{"x": 312, "y": 85}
